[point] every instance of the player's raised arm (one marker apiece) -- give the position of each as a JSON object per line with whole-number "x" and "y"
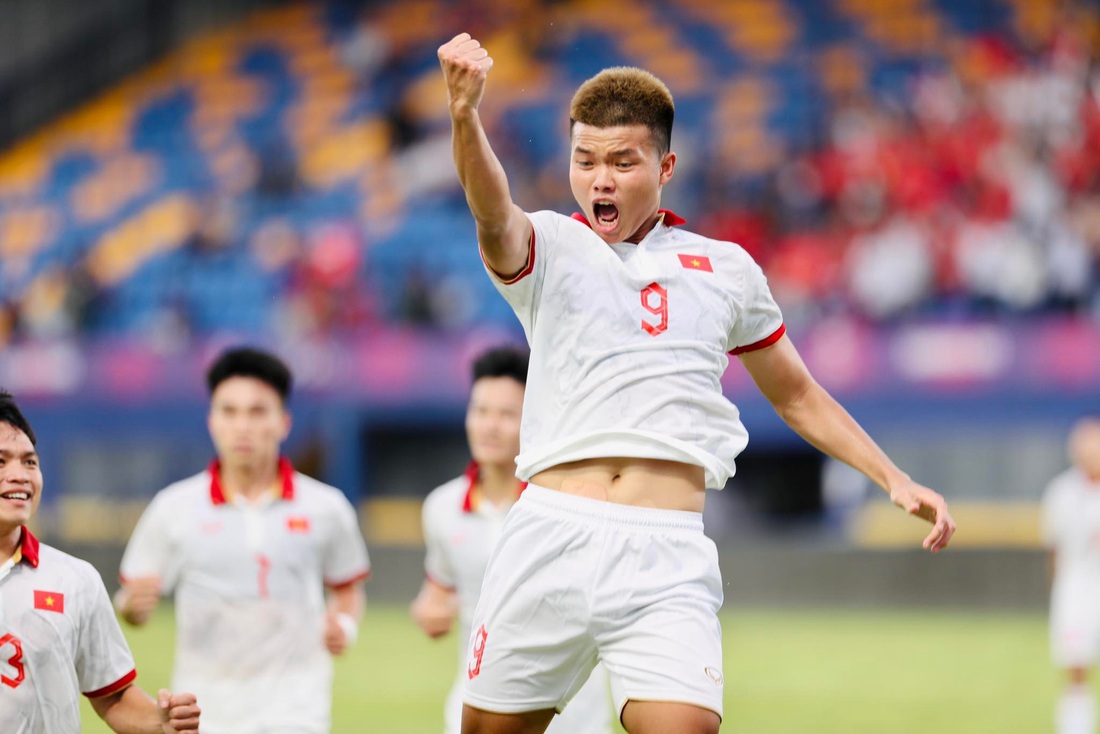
{"x": 503, "y": 230}
{"x": 808, "y": 408}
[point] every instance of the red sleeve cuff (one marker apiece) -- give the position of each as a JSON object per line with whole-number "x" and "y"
{"x": 439, "y": 583}
{"x": 527, "y": 269}
{"x": 765, "y": 342}
{"x": 115, "y": 687}
{"x": 344, "y": 583}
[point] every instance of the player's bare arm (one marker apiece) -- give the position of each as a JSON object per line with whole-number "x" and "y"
{"x": 434, "y": 609}
{"x": 345, "y": 609}
{"x": 137, "y": 598}
{"x": 808, "y": 408}
{"x": 503, "y": 230}
{"x": 132, "y": 711}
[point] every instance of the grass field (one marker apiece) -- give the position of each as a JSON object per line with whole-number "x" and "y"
{"x": 787, "y": 672}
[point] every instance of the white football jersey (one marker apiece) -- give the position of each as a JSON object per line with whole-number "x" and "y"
{"x": 249, "y": 581}
{"x": 629, "y": 343}
{"x": 58, "y": 638}
{"x": 1071, "y": 527}
{"x": 460, "y": 536}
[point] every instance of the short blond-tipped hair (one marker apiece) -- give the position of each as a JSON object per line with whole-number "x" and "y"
{"x": 625, "y": 95}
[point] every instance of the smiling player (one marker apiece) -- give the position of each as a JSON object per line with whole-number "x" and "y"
{"x": 58, "y": 632}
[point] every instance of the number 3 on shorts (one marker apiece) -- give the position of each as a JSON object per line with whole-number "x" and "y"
{"x": 655, "y": 300}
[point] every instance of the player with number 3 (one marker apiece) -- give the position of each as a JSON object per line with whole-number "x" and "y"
{"x": 58, "y": 633}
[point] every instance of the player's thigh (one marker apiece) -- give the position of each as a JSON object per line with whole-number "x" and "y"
{"x": 531, "y": 646}
{"x": 664, "y": 717}
{"x": 478, "y": 721}
{"x": 588, "y": 712}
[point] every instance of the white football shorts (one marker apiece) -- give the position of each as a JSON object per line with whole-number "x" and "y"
{"x": 575, "y": 580}
{"x": 1075, "y": 622}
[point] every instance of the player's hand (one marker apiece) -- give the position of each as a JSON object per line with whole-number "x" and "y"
{"x": 930, "y": 506}
{"x": 138, "y": 598}
{"x": 336, "y": 639}
{"x": 465, "y": 67}
{"x": 435, "y": 619}
{"x": 179, "y": 712}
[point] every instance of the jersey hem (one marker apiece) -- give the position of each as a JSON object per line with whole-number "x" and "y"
{"x": 115, "y": 687}
{"x": 624, "y": 443}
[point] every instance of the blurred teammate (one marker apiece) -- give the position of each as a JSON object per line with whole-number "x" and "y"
{"x": 250, "y": 547}
{"x": 462, "y": 522}
{"x": 630, "y": 320}
{"x": 58, "y": 632}
{"x": 1071, "y": 530}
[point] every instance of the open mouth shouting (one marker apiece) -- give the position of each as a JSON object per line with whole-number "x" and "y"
{"x": 606, "y": 215}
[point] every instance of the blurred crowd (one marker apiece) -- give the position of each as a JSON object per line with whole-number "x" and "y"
{"x": 975, "y": 194}
{"x": 968, "y": 187}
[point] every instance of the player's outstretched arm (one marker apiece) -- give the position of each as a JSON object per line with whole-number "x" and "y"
{"x": 434, "y": 609}
{"x": 137, "y": 598}
{"x": 131, "y": 711}
{"x": 503, "y": 230}
{"x": 808, "y": 408}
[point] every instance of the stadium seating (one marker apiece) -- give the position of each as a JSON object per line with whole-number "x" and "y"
{"x": 874, "y": 125}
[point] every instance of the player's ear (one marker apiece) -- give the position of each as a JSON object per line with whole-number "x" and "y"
{"x": 668, "y": 166}
{"x": 288, "y": 423}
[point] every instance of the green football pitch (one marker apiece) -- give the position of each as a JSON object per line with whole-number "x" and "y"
{"x": 787, "y": 672}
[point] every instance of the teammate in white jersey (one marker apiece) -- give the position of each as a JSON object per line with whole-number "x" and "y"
{"x": 250, "y": 547}
{"x": 462, "y": 523}
{"x": 624, "y": 427}
{"x": 58, "y": 633}
{"x": 1071, "y": 531}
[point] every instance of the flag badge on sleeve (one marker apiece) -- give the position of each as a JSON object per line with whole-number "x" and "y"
{"x": 696, "y": 262}
{"x": 49, "y": 601}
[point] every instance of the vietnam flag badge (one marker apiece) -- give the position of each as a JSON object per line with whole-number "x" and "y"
{"x": 696, "y": 262}
{"x": 49, "y": 601}
{"x": 297, "y": 524}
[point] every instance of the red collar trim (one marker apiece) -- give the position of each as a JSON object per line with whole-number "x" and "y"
{"x": 217, "y": 492}
{"x": 473, "y": 471}
{"x": 671, "y": 218}
{"x": 29, "y": 548}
